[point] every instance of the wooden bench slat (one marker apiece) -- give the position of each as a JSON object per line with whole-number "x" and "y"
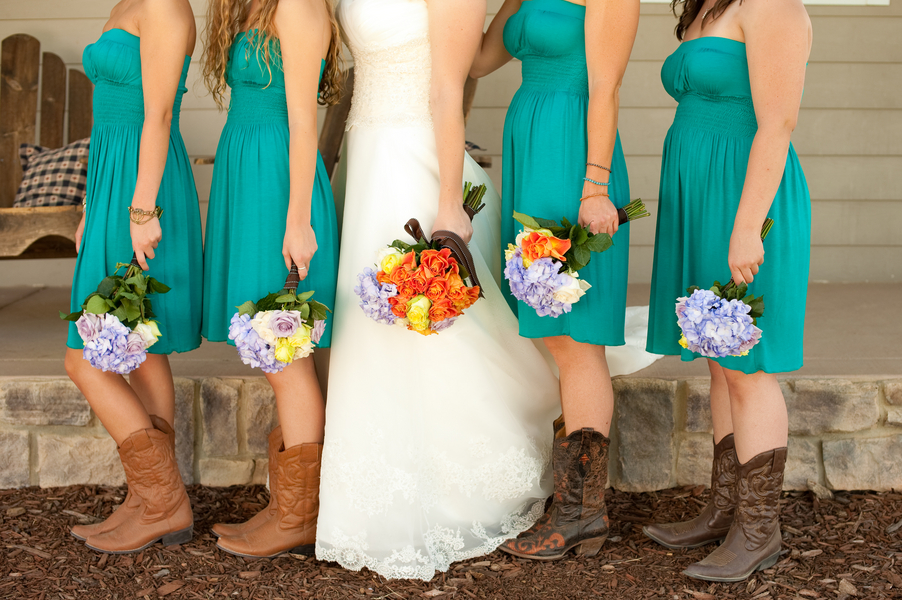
{"x": 20, "y": 56}
{"x": 81, "y": 112}
{"x": 53, "y": 100}
{"x": 22, "y": 227}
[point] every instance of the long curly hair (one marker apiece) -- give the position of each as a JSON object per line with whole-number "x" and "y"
{"x": 690, "y": 11}
{"x": 224, "y": 21}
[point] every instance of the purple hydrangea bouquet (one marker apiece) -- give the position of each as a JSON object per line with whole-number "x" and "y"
{"x": 279, "y": 328}
{"x": 721, "y": 321}
{"x": 542, "y": 267}
{"x": 115, "y": 322}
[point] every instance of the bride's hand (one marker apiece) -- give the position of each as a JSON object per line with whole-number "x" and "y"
{"x": 453, "y": 217}
{"x": 299, "y": 245}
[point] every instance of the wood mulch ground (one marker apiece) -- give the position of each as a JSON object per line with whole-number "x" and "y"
{"x": 841, "y": 549}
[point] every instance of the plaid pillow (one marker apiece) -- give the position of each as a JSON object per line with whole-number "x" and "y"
{"x": 53, "y": 177}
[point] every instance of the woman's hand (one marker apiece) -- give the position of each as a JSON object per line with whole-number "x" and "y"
{"x": 453, "y": 218}
{"x": 746, "y": 254}
{"x": 80, "y": 231}
{"x": 599, "y": 215}
{"x": 145, "y": 238}
{"x": 299, "y": 245}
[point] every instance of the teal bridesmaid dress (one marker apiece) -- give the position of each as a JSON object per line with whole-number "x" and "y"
{"x": 113, "y": 64}
{"x": 545, "y": 147}
{"x": 249, "y": 200}
{"x": 705, "y": 158}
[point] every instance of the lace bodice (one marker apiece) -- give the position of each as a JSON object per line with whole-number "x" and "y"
{"x": 389, "y": 40}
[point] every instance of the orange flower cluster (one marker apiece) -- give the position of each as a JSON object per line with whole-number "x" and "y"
{"x": 537, "y": 245}
{"x": 428, "y": 292}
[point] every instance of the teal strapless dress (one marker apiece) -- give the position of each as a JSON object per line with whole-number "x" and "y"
{"x": 706, "y": 154}
{"x": 545, "y": 147}
{"x": 114, "y": 65}
{"x": 249, "y": 201}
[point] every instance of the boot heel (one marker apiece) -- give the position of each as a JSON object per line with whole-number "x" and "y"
{"x": 769, "y": 561}
{"x": 178, "y": 537}
{"x": 304, "y": 550}
{"x": 591, "y": 547}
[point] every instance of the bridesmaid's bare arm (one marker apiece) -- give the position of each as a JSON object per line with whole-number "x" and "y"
{"x": 492, "y": 55}
{"x": 778, "y": 38}
{"x": 455, "y": 28}
{"x": 610, "y": 32}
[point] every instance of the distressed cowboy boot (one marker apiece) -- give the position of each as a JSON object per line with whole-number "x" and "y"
{"x": 162, "y": 511}
{"x": 292, "y": 527}
{"x": 753, "y": 543}
{"x": 578, "y": 517}
{"x": 713, "y": 524}
{"x": 130, "y": 507}
{"x": 223, "y": 529}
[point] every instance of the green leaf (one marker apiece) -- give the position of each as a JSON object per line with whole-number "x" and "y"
{"x": 305, "y": 312}
{"x": 582, "y": 255}
{"x": 97, "y": 305}
{"x": 285, "y": 298}
{"x": 546, "y": 223}
{"x": 155, "y": 287}
{"x": 132, "y": 312}
{"x": 318, "y": 311}
{"x": 526, "y": 220}
{"x": 566, "y": 223}
{"x": 107, "y": 286}
{"x": 581, "y": 236}
{"x": 305, "y": 296}
{"x": 691, "y": 289}
{"x": 248, "y": 308}
{"x": 71, "y": 316}
{"x": 599, "y": 242}
{"x": 120, "y": 314}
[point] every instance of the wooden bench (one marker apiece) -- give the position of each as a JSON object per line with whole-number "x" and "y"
{"x": 47, "y": 232}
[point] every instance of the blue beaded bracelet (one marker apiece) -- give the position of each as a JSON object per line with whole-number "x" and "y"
{"x": 596, "y": 182}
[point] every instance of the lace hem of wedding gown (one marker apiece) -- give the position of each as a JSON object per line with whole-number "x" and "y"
{"x": 444, "y": 546}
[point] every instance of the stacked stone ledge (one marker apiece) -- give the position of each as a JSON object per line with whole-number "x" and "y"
{"x": 845, "y": 434}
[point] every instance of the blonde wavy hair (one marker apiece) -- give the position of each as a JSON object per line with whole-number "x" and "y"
{"x": 224, "y": 21}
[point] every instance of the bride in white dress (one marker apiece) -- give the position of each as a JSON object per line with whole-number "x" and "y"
{"x": 437, "y": 447}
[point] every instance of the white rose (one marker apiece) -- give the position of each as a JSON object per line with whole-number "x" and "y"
{"x": 304, "y": 351}
{"x": 260, "y": 323}
{"x": 149, "y": 332}
{"x": 387, "y": 251}
{"x": 526, "y": 231}
{"x": 402, "y": 322}
{"x": 571, "y": 291}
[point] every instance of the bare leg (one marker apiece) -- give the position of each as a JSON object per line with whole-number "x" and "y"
{"x": 758, "y": 410}
{"x": 153, "y": 384}
{"x": 720, "y": 403}
{"x": 115, "y": 402}
{"x": 302, "y": 412}
{"x": 587, "y": 397}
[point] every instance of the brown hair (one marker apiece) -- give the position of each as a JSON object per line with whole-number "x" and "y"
{"x": 224, "y": 21}
{"x": 690, "y": 11}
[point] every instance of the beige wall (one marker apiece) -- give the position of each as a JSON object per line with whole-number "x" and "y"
{"x": 849, "y": 135}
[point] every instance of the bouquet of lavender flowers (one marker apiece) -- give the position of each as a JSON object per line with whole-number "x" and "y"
{"x": 115, "y": 321}
{"x": 721, "y": 321}
{"x": 278, "y": 329}
{"x": 542, "y": 266}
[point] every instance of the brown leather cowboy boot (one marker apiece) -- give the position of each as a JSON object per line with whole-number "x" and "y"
{"x": 753, "y": 543}
{"x": 162, "y": 509}
{"x": 578, "y": 516}
{"x": 713, "y": 524}
{"x": 130, "y": 506}
{"x": 225, "y": 529}
{"x": 293, "y": 526}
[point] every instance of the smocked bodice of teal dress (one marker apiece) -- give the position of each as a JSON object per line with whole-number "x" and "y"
{"x": 544, "y": 158}
{"x": 250, "y": 194}
{"x": 705, "y": 158}
{"x": 113, "y": 64}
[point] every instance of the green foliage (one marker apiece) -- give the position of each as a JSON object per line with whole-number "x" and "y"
{"x": 582, "y": 243}
{"x": 286, "y": 299}
{"x": 123, "y": 296}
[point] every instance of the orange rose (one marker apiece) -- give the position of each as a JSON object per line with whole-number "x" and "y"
{"x": 406, "y": 289}
{"x": 381, "y": 277}
{"x": 473, "y": 292}
{"x": 419, "y": 281}
{"x": 436, "y": 261}
{"x": 399, "y": 305}
{"x": 536, "y": 246}
{"x": 399, "y": 275}
{"x": 441, "y": 310}
{"x": 437, "y": 288}
{"x": 409, "y": 261}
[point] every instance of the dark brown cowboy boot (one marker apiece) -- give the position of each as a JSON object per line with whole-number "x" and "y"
{"x": 162, "y": 509}
{"x": 578, "y": 517}
{"x": 130, "y": 507}
{"x": 753, "y": 543}
{"x": 224, "y": 529}
{"x": 293, "y": 527}
{"x": 713, "y": 524}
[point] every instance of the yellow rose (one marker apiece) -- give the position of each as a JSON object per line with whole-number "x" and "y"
{"x": 684, "y": 342}
{"x": 418, "y": 311}
{"x": 509, "y": 252}
{"x": 284, "y": 350}
{"x": 300, "y": 337}
{"x": 149, "y": 332}
{"x": 388, "y": 259}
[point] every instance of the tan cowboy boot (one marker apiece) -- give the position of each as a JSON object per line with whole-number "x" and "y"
{"x": 753, "y": 543}
{"x": 293, "y": 526}
{"x": 162, "y": 509}
{"x": 713, "y": 524}
{"x": 225, "y": 529}
{"x": 130, "y": 506}
{"x": 578, "y": 517}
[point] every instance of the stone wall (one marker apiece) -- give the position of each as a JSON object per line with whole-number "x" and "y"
{"x": 845, "y": 434}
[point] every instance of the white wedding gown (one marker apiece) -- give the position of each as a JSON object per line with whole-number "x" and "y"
{"x": 437, "y": 448}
